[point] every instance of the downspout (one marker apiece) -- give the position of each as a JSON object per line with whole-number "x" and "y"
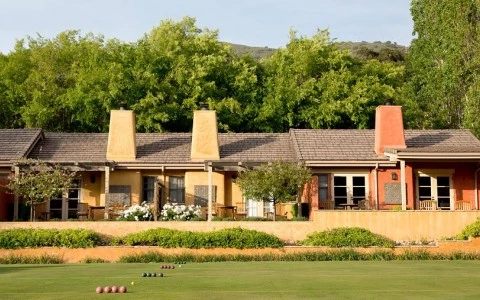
{"x": 375, "y": 186}
{"x": 476, "y": 188}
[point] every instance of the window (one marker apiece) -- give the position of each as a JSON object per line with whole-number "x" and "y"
{"x": 176, "y": 188}
{"x": 323, "y": 187}
{"x": 148, "y": 189}
{"x": 349, "y": 188}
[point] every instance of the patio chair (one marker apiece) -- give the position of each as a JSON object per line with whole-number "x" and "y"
{"x": 428, "y": 205}
{"x": 241, "y": 209}
{"x": 82, "y": 211}
{"x": 326, "y": 205}
{"x": 463, "y": 205}
{"x": 364, "y": 205}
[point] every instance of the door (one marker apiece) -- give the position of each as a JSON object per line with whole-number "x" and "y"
{"x": 436, "y": 187}
{"x": 349, "y": 188}
{"x": 60, "y": 209}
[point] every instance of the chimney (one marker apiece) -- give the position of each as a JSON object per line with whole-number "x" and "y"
{"x": 205, "y": 136}
{"x": 121, "y": 136}
{"x": 389, "y": 131}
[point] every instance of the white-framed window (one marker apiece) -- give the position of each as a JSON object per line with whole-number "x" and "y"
{"x": 435, "y": 185}
{"x": 349, "y": 188}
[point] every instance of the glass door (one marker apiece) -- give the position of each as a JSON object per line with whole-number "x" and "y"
{"x": 73, "y": 199}
{"x": 443, "y": 192}
{"x": 437, "y": 188}
{"x": 349, "y": 189}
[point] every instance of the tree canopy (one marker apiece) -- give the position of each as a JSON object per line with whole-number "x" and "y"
{"x": 71, "y": 82}
{"x": 443, "y": 64}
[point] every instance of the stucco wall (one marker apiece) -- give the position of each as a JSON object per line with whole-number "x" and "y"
{"x": 400, "y": 225}
{"x": 397, "y": 225}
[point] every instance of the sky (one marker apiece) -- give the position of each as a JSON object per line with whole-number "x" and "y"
{"x": 262, "y": 23}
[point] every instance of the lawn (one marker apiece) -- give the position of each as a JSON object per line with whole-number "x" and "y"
{"x": 248, "y": 280}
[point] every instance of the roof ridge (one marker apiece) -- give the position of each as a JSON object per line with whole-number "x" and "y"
{"x": 294, "y": 141}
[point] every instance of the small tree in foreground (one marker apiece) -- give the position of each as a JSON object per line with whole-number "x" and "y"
{"x": 276, "y": 182}
{"x": 38, "y": 181}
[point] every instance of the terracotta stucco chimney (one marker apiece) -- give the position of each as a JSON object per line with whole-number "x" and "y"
{"x": 205, "y": 136}
{"x": 389, "y": 131}
{"x": 121, "y": 136}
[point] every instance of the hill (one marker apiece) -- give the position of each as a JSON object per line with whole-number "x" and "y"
{"x": 384, "y": 51}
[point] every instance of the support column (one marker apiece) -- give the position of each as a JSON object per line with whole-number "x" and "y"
{"x": 107, "y": 189}
{"x": 403, "y": 185}
{"x": 210, "y": 194}
{"x": 155, "y": 199}
{"x": 15, "y": 197}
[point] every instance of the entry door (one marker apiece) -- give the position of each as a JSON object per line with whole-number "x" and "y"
{"x": 60, "y": 209}
{"x": 436, "y": 188}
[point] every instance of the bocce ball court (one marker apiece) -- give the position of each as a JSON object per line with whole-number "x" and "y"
{"x": 246, "y": 280}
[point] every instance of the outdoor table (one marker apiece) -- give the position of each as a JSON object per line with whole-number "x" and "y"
{"x": 232, "y": 208}
{"x": 93, "y": 208}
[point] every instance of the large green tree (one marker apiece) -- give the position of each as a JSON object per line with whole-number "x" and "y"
{"x": 181, "y": 66}
{"x": 276, "y": 182}
{"x": 443, "y": 64}
{"x": 313, "y": 84}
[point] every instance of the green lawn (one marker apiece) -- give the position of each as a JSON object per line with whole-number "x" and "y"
{"x": 248, "y": 280}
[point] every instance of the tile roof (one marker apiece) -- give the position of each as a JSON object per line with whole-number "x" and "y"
{"x": 71, "y": 147}
{"x": 335, "y": 144}
{"x": 255, "y": 147}
{"x": 176, "y": 147}
{"x": 444, "y": 141}
{"x": 164, "y": 147}
{"x": 304, "y": 144}
{"x": 15, "y": 143}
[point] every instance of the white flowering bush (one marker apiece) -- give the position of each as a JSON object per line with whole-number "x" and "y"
{"x": 136, "y": 213}
{"x": 174, "y": 211}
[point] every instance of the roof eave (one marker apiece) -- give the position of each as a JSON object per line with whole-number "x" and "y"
{"x": 352, "y": 163}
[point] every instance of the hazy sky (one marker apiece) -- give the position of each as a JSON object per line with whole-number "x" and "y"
{"x": 249, "y": 22}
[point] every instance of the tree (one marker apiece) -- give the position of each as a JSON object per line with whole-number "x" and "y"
{"x": 313, "y": 84}
{"x": 276, "y": 182}
{"x": 443, "y": 64}
{"x": 39, "y": 182}
{"x": 180, "y": 66}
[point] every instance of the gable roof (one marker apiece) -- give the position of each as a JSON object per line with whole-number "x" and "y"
{"x": 71, "y": 147}
{"x": 164, "y": 147}
{"x": 299, "y": 144}
{"x": 17, "y": 143}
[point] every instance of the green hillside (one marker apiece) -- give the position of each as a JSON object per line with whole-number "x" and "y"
{"x": 363, "y": 50}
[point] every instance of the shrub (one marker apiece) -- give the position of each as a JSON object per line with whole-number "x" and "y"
{"x": 256, "y": 219}
{"x": 136, "y": 213}
{"x": 299, "y": 219}
{"x": 331, "y": 255}
{"x": 174, "y": 211}
{"x": 70, "y": 238}
{"x": 472, "y": 230}
{"x": 27, "y": 259}
{"x": 347, "y": 237}
{"x": 217, "y": 218}
{"x": 225, "y": 238}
